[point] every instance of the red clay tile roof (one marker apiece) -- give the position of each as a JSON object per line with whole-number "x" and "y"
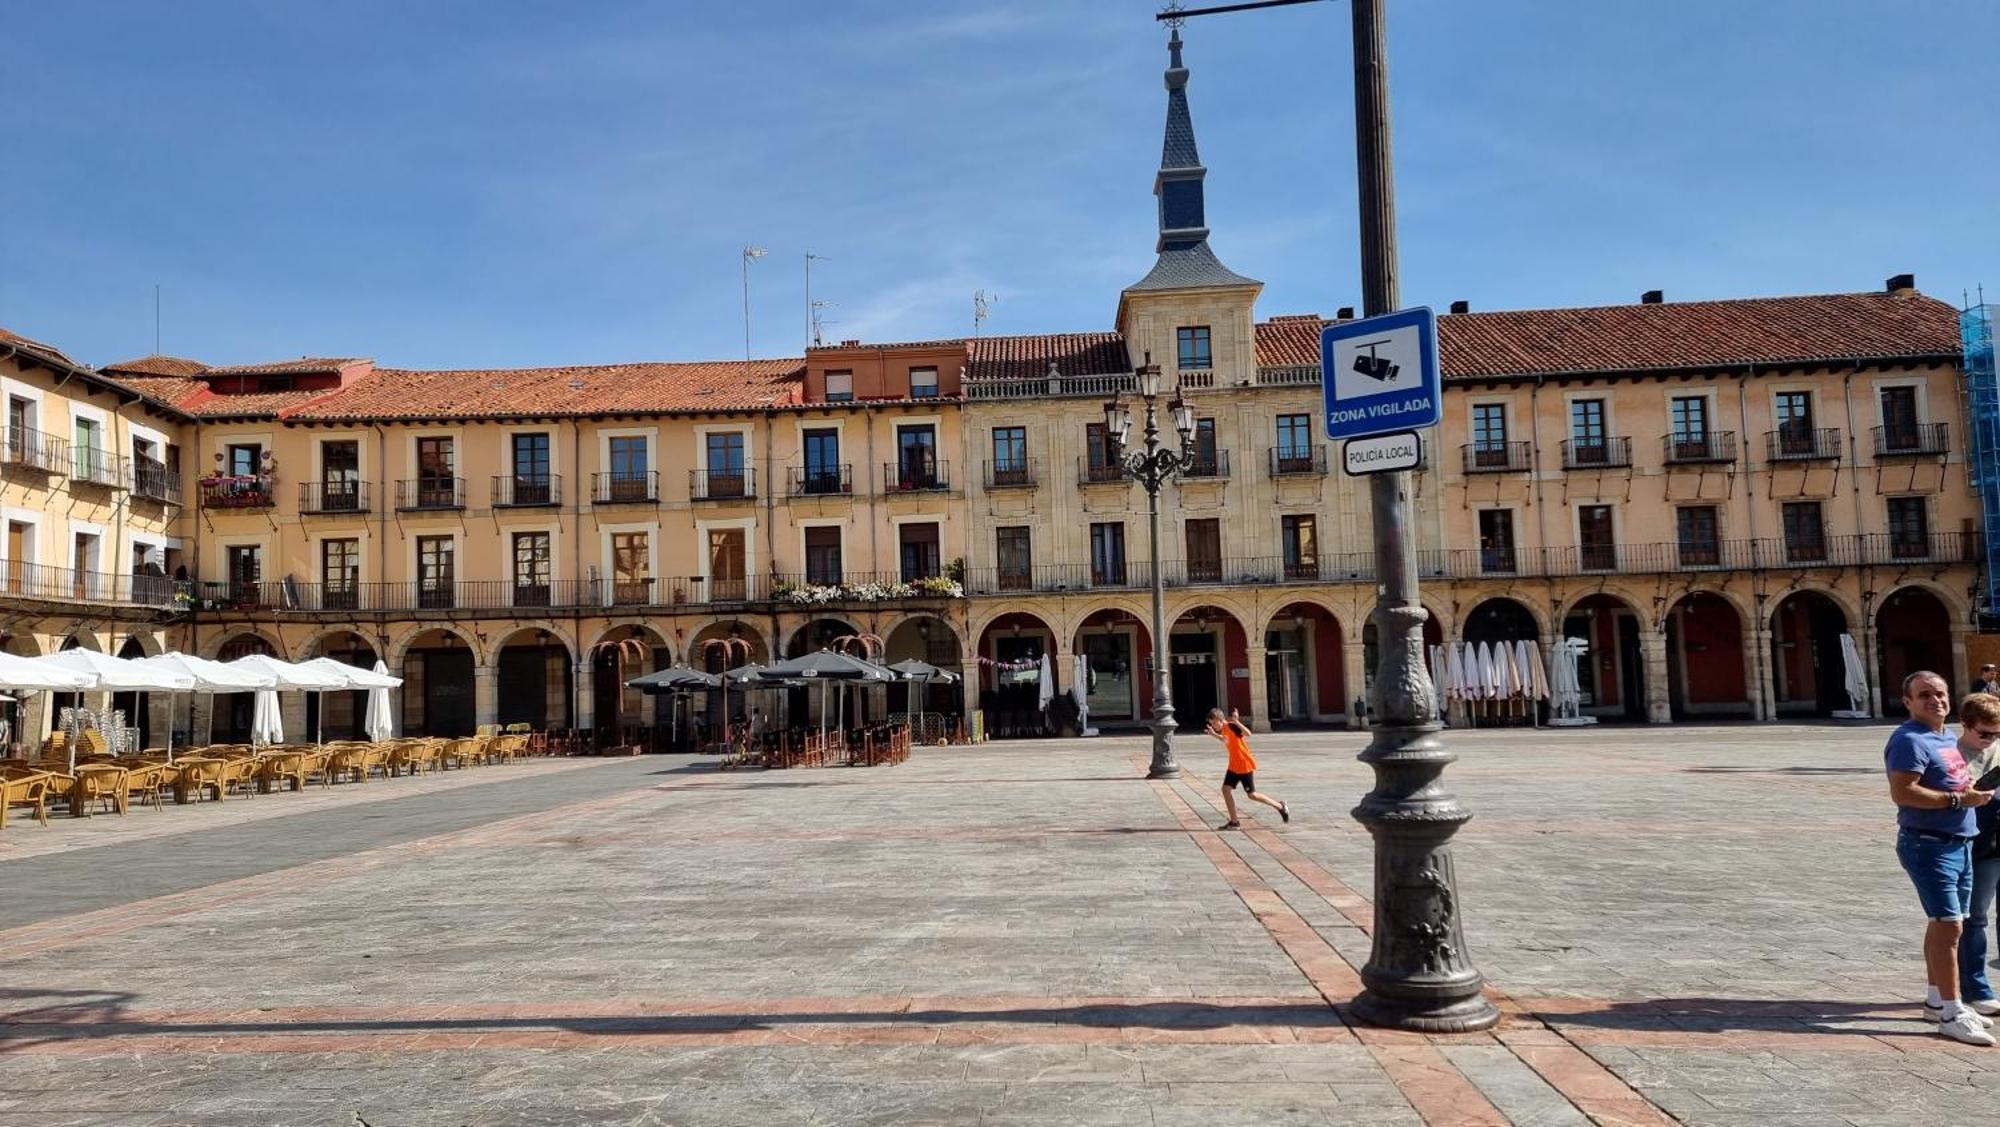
{"x": 1074, "y": 354}
{"x": 156, "y": 366}
{"x": 611, "y": 389}
{"x": 31, "y": 345}
{"x": 193, "y": 397}
{"x": 949, "y": 342}
{"x": 303, "y": 366}
{"x": 1672, "y": 335}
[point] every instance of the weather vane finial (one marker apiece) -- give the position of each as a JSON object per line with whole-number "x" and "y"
{"x": 1171, "y": 14}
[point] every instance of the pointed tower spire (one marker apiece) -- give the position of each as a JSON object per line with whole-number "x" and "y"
{"x": 1185, "y": 259}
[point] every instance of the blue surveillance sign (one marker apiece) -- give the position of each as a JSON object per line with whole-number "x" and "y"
{"x": 1379, "y": 375}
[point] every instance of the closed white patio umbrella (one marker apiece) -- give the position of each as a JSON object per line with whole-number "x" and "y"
{"x": 267, "y": 725}
{"x": 295, "y": 675}
{"x": 1045, "y": 688}
{"x": 1854, "y": 676}
{"x": 375, "y": 681}
{"x": 380, "y": 723}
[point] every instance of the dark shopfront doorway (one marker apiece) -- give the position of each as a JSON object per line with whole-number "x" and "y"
{"x": 1193, "y": 679}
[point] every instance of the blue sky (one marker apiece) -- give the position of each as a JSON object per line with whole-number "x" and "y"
{"x": 461, "y": 184}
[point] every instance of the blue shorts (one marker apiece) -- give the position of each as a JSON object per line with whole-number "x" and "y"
{"x": 1941, "y": 867}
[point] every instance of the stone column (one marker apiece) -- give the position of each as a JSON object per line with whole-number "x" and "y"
{"x": 1354, "y": 676}
{"x": 1754, "y": 688}
{"x": 1960, "y": 672}
{"x": 586, "y": 697}
{"x": 969, "y": 688}
{"x": 486, "y": 695}
{"x": 1653, "y": 655}
{"x": 1767, "y": 683}
{"x": 1260, "y": 692}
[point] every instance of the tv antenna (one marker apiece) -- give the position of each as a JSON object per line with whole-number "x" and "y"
{"x": 812, "y": 307}
{"x": 819, "y": 323}
{"x": 982, "y": 308}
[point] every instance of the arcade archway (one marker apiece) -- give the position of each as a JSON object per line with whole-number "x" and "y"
{"x": 1611, "y": 672}
{"x": 1305, "y": 679}
{"x": 1705, "y": 670}
{"x": 1009, "y": 655}
{"x": 1913, "y": 632}
{"x": 1809, "y": 675}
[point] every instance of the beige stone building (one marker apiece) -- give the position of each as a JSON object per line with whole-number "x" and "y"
{"x": 1712, "y": 494}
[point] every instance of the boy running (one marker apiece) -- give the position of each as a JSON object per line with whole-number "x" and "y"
{"x": 1242, "y": 767}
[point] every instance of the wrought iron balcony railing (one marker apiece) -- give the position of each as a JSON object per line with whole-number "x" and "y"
{"x": 522, "y": 491}
{"x": 823, "y": 480}
{"x": 89, "y": 465}
{"x": 916, "y": 476}
{"x": 722, "y": 485}
{"x": 1212, "y": 465}
{"x": 1022, "y": 474}
{"x": 430, "y": 494}
{"x": 1596, "y": 453}
{"x": 1287, "y": 461}
{"x": 152, "y": 480}
{"x": 1688, "y": 448}
{"x": 237, "y": 491}
{"x": 1801, "y": 444}
{"x": 334, "y": 497}
{"x": 1918, "y": 440}
{"x": 31, "y": 449}
{"x": 626, "y": 488}
{"x": 1498, "y": 457}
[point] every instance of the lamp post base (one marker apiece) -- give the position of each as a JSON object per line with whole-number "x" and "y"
{"x": 1163, "y": 765}
{"x": 1420, "y": 1015}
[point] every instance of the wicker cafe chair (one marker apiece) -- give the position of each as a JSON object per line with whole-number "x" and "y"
{"x": 24, "y": 786}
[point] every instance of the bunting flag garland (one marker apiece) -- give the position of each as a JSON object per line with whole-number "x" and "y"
{"x": 1021, "y": 666}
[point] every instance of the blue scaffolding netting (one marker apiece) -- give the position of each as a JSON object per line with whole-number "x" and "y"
{"x": 1975, "y": 326}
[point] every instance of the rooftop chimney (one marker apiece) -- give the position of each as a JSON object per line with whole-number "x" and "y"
{"x": 1902, "y": 284}
{"x": 850, "y": 344}
{"x": 1461, "y": 307}
{"x": 1346, "y": 313}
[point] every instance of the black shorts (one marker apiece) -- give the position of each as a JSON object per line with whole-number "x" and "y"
{"x": 1246, "y": 779}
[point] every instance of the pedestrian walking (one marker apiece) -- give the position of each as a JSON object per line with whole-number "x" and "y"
{"x": 1242, "y": 767}
{"x": 1989, "y": 681}
{"x": 1979, "y": 743}
{"x": 1935, "y": 803}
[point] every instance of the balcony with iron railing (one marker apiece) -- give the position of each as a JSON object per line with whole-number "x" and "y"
{"x": 153, "y": 481}
{"x": 1803, "y": 444}
{"x": 735, "y": 484}
{"x": 334, "y": 497}
{"x": 1597, "y": 453}
{"x": 1208, "y": 465}
{"x": 89, "y": 465}
{"x": 1053, "y": 385}
{"x": 27, "y": 582}
{"x": 823, "y": 480}
{"x": 1693, "y": 448}
{"x": 28, "y": 448}
{"x": 430, "y": 494}
{"x": 526, "y": 491}
{"x": 1015, "y": 474}
{"x": 916, "y": 476}
{"x": 628, "y": 487}
{"x": 1091, "y": 471}
{"x": 1917, "y": 440}
{"x": 1498, "y": 457}
{"x": 237, "y": 491}
{"x": 1298, "y": 461}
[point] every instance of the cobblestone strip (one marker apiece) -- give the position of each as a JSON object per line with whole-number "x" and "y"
{"x": 1425, "y": 1077}
{"x": 1595, "y": 1090}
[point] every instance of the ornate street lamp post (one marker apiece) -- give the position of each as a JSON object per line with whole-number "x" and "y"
{"x": 1151, "y": 467}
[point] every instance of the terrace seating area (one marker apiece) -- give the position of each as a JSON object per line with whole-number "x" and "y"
{"x": 873, "y": 746}
{"x": 98, "y": 782}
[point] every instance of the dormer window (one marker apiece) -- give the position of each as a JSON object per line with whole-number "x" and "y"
{"x": 1194, "y": 348}
{"x": 923, "y": 383}
{"x": 839, "y": 387}
{"x": 274, "y": 383}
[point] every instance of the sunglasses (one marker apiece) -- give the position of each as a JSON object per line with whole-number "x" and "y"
{"x": 1983, "y": 734}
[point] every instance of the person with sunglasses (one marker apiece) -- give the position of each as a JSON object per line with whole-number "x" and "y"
{"x": 1979, "y": 743}
{"x": 1935, "y": 803}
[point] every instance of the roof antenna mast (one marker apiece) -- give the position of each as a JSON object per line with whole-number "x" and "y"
{"x": 982, "y": 308}
{"x": 156, "y": 318}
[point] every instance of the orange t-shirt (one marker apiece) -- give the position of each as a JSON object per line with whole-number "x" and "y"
{"x": 1240, "y": 760}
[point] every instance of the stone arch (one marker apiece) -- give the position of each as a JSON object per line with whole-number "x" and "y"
{"x": 77, "y": 639}
{"x": 817, "y": 631}
{"x": 1807, "y": 665}
{"x": 1849, "y": 609}
{"x": 1504, "y": 618}
{"x": 1612, "y": 673}
{"x": 400, "y": 648}
{"x": 1706, "y": 671}
{"x": 725, "y": 626}
{"x": 1188, "y": 602}
{"x": 1009, "y": 698}
{"x": 214, "y": 646}
{"x": 21, "y": 645}
{"x": 1956, "y": 608}
{"x": 1636, "y": 602}
{"x": 1306, "y": 673}
{"x": 534, "y": 676}
{"x": 315, "y": 644}
{"x": 911, "y": 621}
{"x": 148, "y": 644}
{"x": 1118, "y": 640}
{"x": 1197, "y": 689}
{"x": 1138, "y": 608}
{"x": 662, "y": 638}
{"x": 1913, "y": 631}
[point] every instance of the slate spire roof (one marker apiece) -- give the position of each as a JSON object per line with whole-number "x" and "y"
{"x": 1185, "y": 261}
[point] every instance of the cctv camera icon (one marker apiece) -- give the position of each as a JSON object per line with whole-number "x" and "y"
{"x": 1376, "y": 367}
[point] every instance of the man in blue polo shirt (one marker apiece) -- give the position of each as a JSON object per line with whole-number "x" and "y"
{"x": 1935, "y": 822}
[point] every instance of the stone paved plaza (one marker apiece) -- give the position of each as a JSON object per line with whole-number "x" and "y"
{"x": 1696, "y": 924}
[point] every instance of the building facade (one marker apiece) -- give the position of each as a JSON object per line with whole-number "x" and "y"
{"x": 1712, "y": 494}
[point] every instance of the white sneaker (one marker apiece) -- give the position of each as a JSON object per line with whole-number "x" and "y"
{"x": 1985, "y": 1007}
{"x": 1936, "y": 1013}
{"x": 1966, "y": 1030}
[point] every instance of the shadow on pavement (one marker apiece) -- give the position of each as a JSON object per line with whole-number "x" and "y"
{"x": 1731, "y": 770}
{"x": 1746, "y": 1015}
